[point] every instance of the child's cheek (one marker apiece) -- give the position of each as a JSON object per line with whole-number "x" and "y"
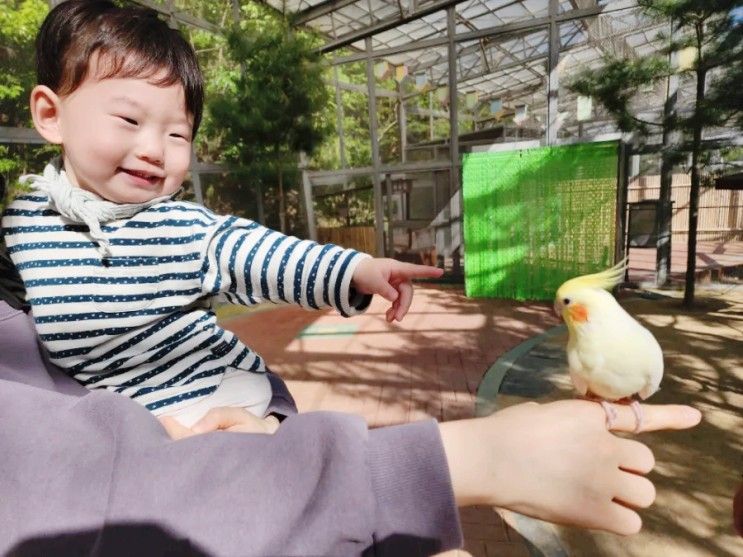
{"x": 109, "y": 151}
{"x": 178, "y": 162}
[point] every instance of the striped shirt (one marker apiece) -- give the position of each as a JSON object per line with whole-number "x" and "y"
{"x": 139, "y": 321}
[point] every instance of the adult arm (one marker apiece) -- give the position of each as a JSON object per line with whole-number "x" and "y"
{"x": 87, "y": 472}
{"x": 563, "y": 465}
{"x": 554, "y": 461}
{"x": 12, "y": 290}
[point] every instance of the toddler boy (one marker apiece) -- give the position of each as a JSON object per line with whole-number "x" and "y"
{"x": 120, "y": 276}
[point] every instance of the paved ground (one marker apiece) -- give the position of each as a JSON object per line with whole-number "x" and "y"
{"x": 428, "y": 365}
{"x": 432, "y": 364}
{"x": 697, "y": 472}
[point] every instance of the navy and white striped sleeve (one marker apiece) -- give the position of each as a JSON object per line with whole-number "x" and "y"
{"x": 247, "y": 263}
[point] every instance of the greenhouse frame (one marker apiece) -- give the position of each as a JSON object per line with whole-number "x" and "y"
{"x": 460, "y": 76}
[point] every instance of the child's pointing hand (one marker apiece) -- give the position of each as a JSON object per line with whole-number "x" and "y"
{"x": 392, "y": 280}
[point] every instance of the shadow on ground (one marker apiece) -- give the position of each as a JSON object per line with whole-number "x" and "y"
{"x": 432, "y": 362}
{"x": 697, "y": 471}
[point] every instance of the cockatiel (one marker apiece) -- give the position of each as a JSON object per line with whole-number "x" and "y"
{"x": 610, "y": 355}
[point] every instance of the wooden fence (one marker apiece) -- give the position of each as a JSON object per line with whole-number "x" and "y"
{"x": 720, "y": 211}
{"x": 361, "y": 238}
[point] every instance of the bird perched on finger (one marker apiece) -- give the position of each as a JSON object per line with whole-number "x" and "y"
{"x": 611, "y": 357}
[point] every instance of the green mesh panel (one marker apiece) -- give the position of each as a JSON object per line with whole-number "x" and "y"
{"x": 535, "y": 217}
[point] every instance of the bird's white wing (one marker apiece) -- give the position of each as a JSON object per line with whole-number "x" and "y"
{"x": 619, "y": 358}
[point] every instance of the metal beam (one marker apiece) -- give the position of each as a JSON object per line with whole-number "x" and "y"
{"x": 386, "y": 52}
{"x": 181, "y": 16}
{"x": 339, "y": 117}
{"x": 402, "y": 118}
{"x": 436, "y": 113}
{"x": 339, "y": 111}
{"x": 321, "y": 9}
{"x": 361, "y": 88}
{"x": 451, "y": 28}
{"x": 386, "y": 24}
{"x": 526, "y": 25}
{"x": 553, "y": 82}
{"x": 376, "y": 179}
{"x": 506, "y": 93}
{"x": 318, "y": 176}
{"x": 390, "y": 247}
{"x": 607, "y": 42}
{"x": 196, "y": 178}
{"x": 484, "y": 73}
{"x": 309, "y": 206}
{"x": 20, "y": 135}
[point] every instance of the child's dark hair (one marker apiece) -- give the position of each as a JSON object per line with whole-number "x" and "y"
{"x": 132, "y": 41}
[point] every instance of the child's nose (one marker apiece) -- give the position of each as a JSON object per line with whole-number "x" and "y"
{"x": 150, "y": 149}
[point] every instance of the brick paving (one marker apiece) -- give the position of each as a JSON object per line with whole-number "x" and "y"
{"x": 427, "y": 366}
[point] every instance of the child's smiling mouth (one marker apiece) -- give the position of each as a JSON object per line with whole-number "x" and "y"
{"x": 141, "y": 178}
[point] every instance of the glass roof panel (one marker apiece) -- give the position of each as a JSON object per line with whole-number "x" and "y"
{"x": 500, "y": 52}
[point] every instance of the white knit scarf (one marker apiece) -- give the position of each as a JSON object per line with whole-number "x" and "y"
{"x": 83, "y": 206}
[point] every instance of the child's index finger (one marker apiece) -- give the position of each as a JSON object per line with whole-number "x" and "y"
{"x": 413, "y": 270}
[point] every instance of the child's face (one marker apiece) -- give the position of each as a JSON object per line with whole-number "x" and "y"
{"x": 126, "y": 139}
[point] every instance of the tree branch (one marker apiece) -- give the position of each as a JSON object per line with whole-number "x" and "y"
{"x": 646, "y": 122}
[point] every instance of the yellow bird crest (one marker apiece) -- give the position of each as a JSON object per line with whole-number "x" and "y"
{"x": 606, "y": 280}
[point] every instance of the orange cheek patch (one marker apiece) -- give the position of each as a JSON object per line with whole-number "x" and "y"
{"x": 578, "y": 313}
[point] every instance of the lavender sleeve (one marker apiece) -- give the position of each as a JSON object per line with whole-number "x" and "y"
{"x": 94, "y": 473}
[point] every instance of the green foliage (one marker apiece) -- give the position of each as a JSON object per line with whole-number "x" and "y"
{"x": 714, "y": 32}
{"x": 268, "y": 111}
{"x": 705, "y": 25}
{"x": 269, "y": 106}
{"x": 19, "y": 21}
{"x": 617, "y": 83}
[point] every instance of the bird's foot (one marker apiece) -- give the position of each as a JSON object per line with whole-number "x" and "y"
{"x": 637, "y": 409}
{"x": 611, "y": 414}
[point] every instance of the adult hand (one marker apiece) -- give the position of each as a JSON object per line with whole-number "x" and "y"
{"x": 223, "y": 418}
{"x": 558, "y": 462}
{"x": 392, "y": 280}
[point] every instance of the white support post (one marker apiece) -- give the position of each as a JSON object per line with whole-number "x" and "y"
{"x": 196, "y": 179}
{"x": 307, "y": 196}
{"x": 553, "y": 83}
{"x": 454, "y": 185}
{"x": 378, "y": 206}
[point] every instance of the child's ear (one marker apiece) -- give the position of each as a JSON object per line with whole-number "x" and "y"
{"x": 45, "y": 108}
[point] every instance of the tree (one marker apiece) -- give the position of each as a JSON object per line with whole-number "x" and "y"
{"x": 19, "y": 22}
{"x": 712, "y": 31}
{"x": 270, "y": 109}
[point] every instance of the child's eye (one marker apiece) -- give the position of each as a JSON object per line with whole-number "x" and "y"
{"x": 128, "y": 120}
{"x": 179, "y": 136}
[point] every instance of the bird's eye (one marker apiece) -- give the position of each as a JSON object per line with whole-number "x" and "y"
{"x": 566, "y": 301}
